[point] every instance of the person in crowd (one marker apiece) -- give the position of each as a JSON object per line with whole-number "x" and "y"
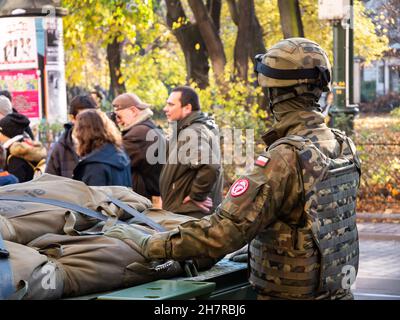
{"x": 25, "y": 158}
{"x": 8, "y": 95}
{"x": 191, "y": 183}
{"x": 6, "y": 178}
{"x": 134, "y": 117}
{"x": 99, "y": 144}
{"x": 5, "y": 106}
{"x": 97, "y": 96}
{"x": 63, "y": 157}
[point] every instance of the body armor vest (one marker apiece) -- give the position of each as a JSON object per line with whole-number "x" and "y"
{"x": 317, "y": 258}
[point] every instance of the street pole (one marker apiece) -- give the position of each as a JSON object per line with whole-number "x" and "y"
{"x": 344, "y": 109}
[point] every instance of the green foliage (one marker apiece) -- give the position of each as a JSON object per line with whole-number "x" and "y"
{"x": 91, "y": 26}
{"x": 396, "y": 113}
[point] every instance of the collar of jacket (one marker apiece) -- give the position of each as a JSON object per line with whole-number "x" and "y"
{"x": 66, "y": 137}
{"x": 29, "y": 150}
{"x": 9, "y": 142}
{"x": 194, "y": 117}
{"x": 108, "y": 154}
{"x": 143, "y": 115}
{"x": 292, "y": 117}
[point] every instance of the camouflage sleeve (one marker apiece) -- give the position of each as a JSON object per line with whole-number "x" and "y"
{"x": 253, "y": 202}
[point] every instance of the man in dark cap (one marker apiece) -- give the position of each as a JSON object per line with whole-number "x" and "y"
{"x": 134, "y": 119}
{"x": 24, "y": 156}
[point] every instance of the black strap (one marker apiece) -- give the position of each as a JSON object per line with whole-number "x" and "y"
{"x": 188, "y": 265}
{"x": 340, "y": 195}
{"x": 331, "y": 227}
{"x": 287, "y": 74}
{"x": 58, "y": 203}
{"x": 138, "y": 215}
{"x": 288, "y": 289}
{"x": 347, "y": 236}
{"x": 338, "y": 180}
{"x": 6, "y": 276}
{"x": 332, "y": 213}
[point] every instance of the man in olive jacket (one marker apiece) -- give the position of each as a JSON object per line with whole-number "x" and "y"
{"x": 134, "y": 118}
{"x": 191, "y": 181}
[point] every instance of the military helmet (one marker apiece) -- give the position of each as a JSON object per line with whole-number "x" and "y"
{"x": 294, "y": 62}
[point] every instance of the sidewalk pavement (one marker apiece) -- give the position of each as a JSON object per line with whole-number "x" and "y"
{"x": 379, "y": 269}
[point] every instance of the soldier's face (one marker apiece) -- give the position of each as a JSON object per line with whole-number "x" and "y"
{"x": 174, "y": 110}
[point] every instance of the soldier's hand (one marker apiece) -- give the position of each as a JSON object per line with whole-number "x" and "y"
{"x": 134, "y": 237}
{"x": 240, "y": 255}
{"x": 205, "y": 205}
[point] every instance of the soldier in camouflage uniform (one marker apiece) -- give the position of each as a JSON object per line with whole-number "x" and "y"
{"x": 296, "y": 209}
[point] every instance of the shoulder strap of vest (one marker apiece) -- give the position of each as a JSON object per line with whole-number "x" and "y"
{"x": 296, "y": 141}
{"x": 6, "y": 276}
{"x": 342, "y": 138}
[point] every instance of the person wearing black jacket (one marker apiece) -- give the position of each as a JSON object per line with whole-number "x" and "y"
{"x": 135, "y": 120}
{"x": 99, "y": 143}
{"x": 7, "y": 94}
{"x": 63, "y": 157}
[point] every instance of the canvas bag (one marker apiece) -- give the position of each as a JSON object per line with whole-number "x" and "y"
{"x": 92, "y": 264}
{"x": 35, "y": 276}
{"x": 24, "y": 221}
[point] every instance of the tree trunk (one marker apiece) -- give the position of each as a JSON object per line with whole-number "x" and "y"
{"x": 233, "y": 10}
{"x": 291, "y": 23}
{"x": 242, "y": 45}
{"x": 256, "y": 35}
{"x": 257, "y": 38}
{"x": 114, "y": 51}
{"x": 214, "y": 9}
{"x": 257, "y": 42}
{"x": 211, "y": 38}
{"x": 192, "y": 44}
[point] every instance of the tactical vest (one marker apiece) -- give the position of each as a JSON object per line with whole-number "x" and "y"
{"x": 318, "y": 258}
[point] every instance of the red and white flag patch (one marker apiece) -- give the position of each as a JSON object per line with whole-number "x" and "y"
{"x": 239, "y": 187}
{"x": 262, "y": 161}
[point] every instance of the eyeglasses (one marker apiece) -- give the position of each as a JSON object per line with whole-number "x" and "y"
{"x": 118, "y": 108}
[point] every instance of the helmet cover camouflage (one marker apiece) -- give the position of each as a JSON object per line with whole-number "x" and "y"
{"x": 292, "y": 62}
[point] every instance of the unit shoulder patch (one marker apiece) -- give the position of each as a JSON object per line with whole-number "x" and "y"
{"x": 239, "y": 187}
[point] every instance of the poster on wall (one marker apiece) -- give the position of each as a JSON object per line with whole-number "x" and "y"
{"x": 18, "y": 48}
{"x": 54, "y": 41}
{"x": 56, "y": 94}
{"x": 24, "y": 87}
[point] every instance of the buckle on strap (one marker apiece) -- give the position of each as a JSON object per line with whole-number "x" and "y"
{"x": 190, "y": 269}
{"x": 4, "y": 254}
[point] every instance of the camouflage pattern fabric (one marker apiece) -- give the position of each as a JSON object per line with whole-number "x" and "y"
{"x": 266, "y": 202}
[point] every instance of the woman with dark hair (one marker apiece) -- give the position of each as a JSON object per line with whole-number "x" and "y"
{"x": 99, "y": 144}
{"x": 63, "y": 157}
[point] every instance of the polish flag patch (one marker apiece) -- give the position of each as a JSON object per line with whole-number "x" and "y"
{"x": 262, "y": 161}
{"x": 239, "y": 187}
